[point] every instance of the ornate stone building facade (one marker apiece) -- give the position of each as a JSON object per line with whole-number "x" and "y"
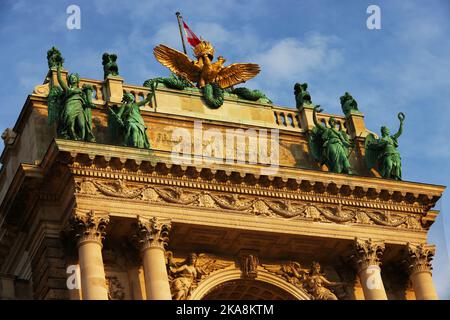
{"x": 153, "y": 224}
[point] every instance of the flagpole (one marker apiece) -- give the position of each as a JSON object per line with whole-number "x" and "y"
{"x": 181, "y": 31}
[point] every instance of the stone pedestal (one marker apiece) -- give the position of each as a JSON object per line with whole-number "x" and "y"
{"x": 419, "y": 265}
{"x": 368, "y": 260}
{"x": 306, "y": 116}
{"x": 355, "y": 120}
{"x": 113, "y": 89}
{"x": 152, "y": 237}
{"x": 90, "y": 231}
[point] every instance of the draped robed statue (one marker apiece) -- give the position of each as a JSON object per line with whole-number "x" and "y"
{"x": 69, "y": 105}
{"x": 128, "y": 121}
{"x": 382, "y": 153}
{"x": 329, "y": 145}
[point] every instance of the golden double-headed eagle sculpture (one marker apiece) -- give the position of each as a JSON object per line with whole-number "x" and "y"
{"x": 204, "y": 71}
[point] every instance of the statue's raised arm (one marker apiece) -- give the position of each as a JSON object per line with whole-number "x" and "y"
{"x": 382, "y": 154}
{"x": 146, "y": 100}
{"x": 316, "y": 122}
{"x": 401, "y": 117}
{"x": 60, "y": 79}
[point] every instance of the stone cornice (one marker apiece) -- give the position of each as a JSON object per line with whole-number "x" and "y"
{"x": 241, "y": 201}
{"x": 139, "y": 165}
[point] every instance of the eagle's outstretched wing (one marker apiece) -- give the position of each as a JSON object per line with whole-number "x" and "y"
{"x": 236, "y": 73}
{"x": 177, "y": 62}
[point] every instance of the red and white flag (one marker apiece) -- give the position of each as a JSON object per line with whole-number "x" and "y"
{"x": 191, "y": 37}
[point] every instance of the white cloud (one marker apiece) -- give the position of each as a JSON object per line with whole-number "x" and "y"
{"x": 168, "y": 34}
{"x": 289, "y": 57}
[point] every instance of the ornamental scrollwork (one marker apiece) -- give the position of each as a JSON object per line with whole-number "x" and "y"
{"x": 251, "y": 205}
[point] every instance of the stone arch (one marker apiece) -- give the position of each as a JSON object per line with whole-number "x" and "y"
{"x": 228, "y": 275}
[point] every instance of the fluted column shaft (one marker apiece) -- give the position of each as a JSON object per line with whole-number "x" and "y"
{"x": 152, "y": 238}
{"x": 419, "y": 265}
{"x": 90, "y": 231}
{"x": 368, "y": 260}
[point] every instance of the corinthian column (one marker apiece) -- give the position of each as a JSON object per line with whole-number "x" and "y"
{"x": 152, "y": 236}
{"x": 368, "y": 260}
{"x": 90, "y": 231}
{"x": 419, "y": 265}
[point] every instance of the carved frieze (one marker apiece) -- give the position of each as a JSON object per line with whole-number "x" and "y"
{"x": 251, "y": 204}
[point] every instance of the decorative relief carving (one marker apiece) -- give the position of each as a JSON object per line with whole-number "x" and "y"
{"x": 152, "y": 232}
{"x": 419, "y": 257}
{"x": 254, "y": 205}
{"x": 249, "y": 266}
{"x": 9, "y": 136}
{"x": 115, "y": 289}
{"x": 185, "y": 276}
{"x": 367, "y": 253}
{"x": 311, "y": 280}
{"x": 42, "y": 90}
{"x": 89, "y": 226}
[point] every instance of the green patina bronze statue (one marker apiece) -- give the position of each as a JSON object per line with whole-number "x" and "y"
{"x": 128, "y": 122}
{"x": 69, "y": 105}
{"x": 348, "y": 104}
{"x": 109, "y": 63}
{"x": 382, "y": 153}
{"x": 329, "y": 145}
{"x": 302, "y": 96}
{"x": 54, "y": 58}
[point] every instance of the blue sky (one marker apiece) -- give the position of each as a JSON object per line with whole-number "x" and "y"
{"x": 405, "y": 66}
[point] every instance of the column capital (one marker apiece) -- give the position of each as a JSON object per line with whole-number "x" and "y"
{"x": 367, "y": 252}
{"x": 89, "y": 226}
{"x": 419, "y": 257}
{"x": 152, "y": 233}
